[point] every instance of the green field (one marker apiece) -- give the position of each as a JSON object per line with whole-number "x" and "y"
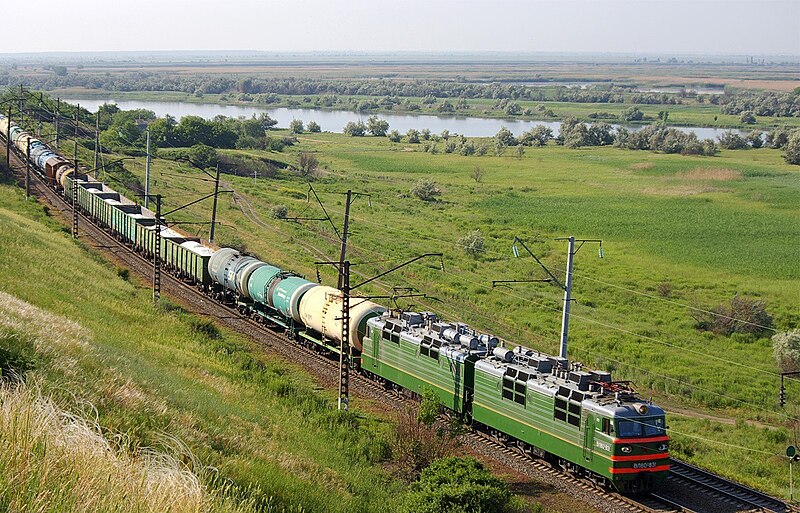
{"x": 678, "y": 232}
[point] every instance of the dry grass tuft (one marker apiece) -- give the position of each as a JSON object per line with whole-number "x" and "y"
{"x": 642, "y": 165}
{"x": 52, "y": 458}
{"x": 50, "y": 331}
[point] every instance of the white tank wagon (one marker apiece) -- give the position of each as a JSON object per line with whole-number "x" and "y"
{"x": 321, "y": 310}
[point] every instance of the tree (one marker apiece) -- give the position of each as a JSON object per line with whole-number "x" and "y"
{"x": 426, "y": 134}
{"x": 792, "y": 154}
{"x": 747, "y": 117}
{"x": 354, "y": 129}
{"x": 730, "y": 140}
{"x": 395, "y": 136}
{"x": 296, "y": 126}
{"x": 755, "y": 138}
{"x": 313, "y": 126}
{"x": 472, "y": 243}
{"x": 786, "y": 348}
{"x": 633, "y": 114}
{"x": 505, "y": 137}
{"x": 377, "y": 127}
{"x": 203, "y": 156}
{"x": 162, "y": 131}
{"x": 413, "y": 135}
{"x": 520, "y": 151}
{"x": 307, "y": 165}
{"x": 426, "y": 189}
{"x": 266, "y": 121}
{"x": 477, "y": 174}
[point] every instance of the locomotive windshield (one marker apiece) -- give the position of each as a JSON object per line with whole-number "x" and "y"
{"x": 648, "y": 426}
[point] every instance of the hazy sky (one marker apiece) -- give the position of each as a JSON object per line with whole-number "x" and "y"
{"x": 749, "y": 27}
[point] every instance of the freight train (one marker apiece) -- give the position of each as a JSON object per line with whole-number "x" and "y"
{"x": 577, "y": 419}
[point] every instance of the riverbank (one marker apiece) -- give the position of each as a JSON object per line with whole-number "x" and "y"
{"x": 532, "y": 112}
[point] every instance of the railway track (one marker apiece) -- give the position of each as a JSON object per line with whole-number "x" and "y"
{"x": 690, "y": 475}
{"x": 326, "y": 370}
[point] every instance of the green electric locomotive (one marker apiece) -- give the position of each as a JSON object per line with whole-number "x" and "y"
{"x": 579, "y": 420}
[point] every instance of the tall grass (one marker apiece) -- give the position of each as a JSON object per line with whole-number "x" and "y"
{"x": 52, "y": 460}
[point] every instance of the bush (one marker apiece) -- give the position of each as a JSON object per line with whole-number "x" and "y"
{"x": 786, "y": 348}
{"x": 472, "y": 243}
{"x": 743, "y": 315}
{"x": 307, "y": 165}
{"x": 395, "y": 136}
{"x": 792, "y": 154}
{"x": 457, "y": 485}
{"x": 354, "y": 129}
{"x": 426, "y": 189}
{"x": 123, "y": 273}
{"x": 418, "y": 441}
{"x": 296, "y": 126}
{"x": 477, "y": 174}
{"x": 730, "y": 140}
{"x": 279, "y": 212}
{"x": 313, "y": 126}
{"x": 747, "y": 117}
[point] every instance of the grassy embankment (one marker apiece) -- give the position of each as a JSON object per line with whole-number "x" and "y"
{"x": 689, "y": 114}
{"x": 183, "y": 417}
{"x": 678, "y": 231}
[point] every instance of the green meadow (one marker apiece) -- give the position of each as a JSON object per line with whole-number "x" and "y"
{"x": 679, "y": 233}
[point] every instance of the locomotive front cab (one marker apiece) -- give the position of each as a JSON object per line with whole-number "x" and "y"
{"x": 640, "y": 453}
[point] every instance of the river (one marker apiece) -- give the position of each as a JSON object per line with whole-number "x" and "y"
{"x": 335, "y": 120}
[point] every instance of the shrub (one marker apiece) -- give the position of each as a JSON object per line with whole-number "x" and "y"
{"x": 123, "y": 273}
{"x": 457, "y": 485}
{"x": 307, "y": 165}
{"x": 747, "y": 117}
{"x": 354, "y": 129}
{"x": 413, "y": 135}
{"x": 792, "y": 154}
{"x": 786, "y": 348}
{"x": 730, "y": 140}
{"x": 426, "y": 189}
{"x": 313, "y": 126}
{"x": 416, "y": 443}
{"x": 296, "y": 126}
{"x": 743, "y": 315}
{"x": 279, "y": 212}
{"x": 394, "y": 136}
{"x": 477, "y": 174}
{"x": 472, "y": 243}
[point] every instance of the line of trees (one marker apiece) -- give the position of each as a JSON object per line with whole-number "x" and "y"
{"x": 388, "y": 93}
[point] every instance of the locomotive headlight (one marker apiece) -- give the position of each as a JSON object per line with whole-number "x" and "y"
{"x": 663, "y": 447}
{"x": 625, "y": 448}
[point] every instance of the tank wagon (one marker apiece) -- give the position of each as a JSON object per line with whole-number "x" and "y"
{"x": 578, "y": 419}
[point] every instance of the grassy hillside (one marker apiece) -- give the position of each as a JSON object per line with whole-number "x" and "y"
{"x": 184, "y": 417}
{"x": 678, "y": 232}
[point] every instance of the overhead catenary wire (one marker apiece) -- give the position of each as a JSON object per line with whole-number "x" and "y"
{"x": 439, "y": 309}
{"x": 505, "y": 257}
{"x": 611, "y": 326}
